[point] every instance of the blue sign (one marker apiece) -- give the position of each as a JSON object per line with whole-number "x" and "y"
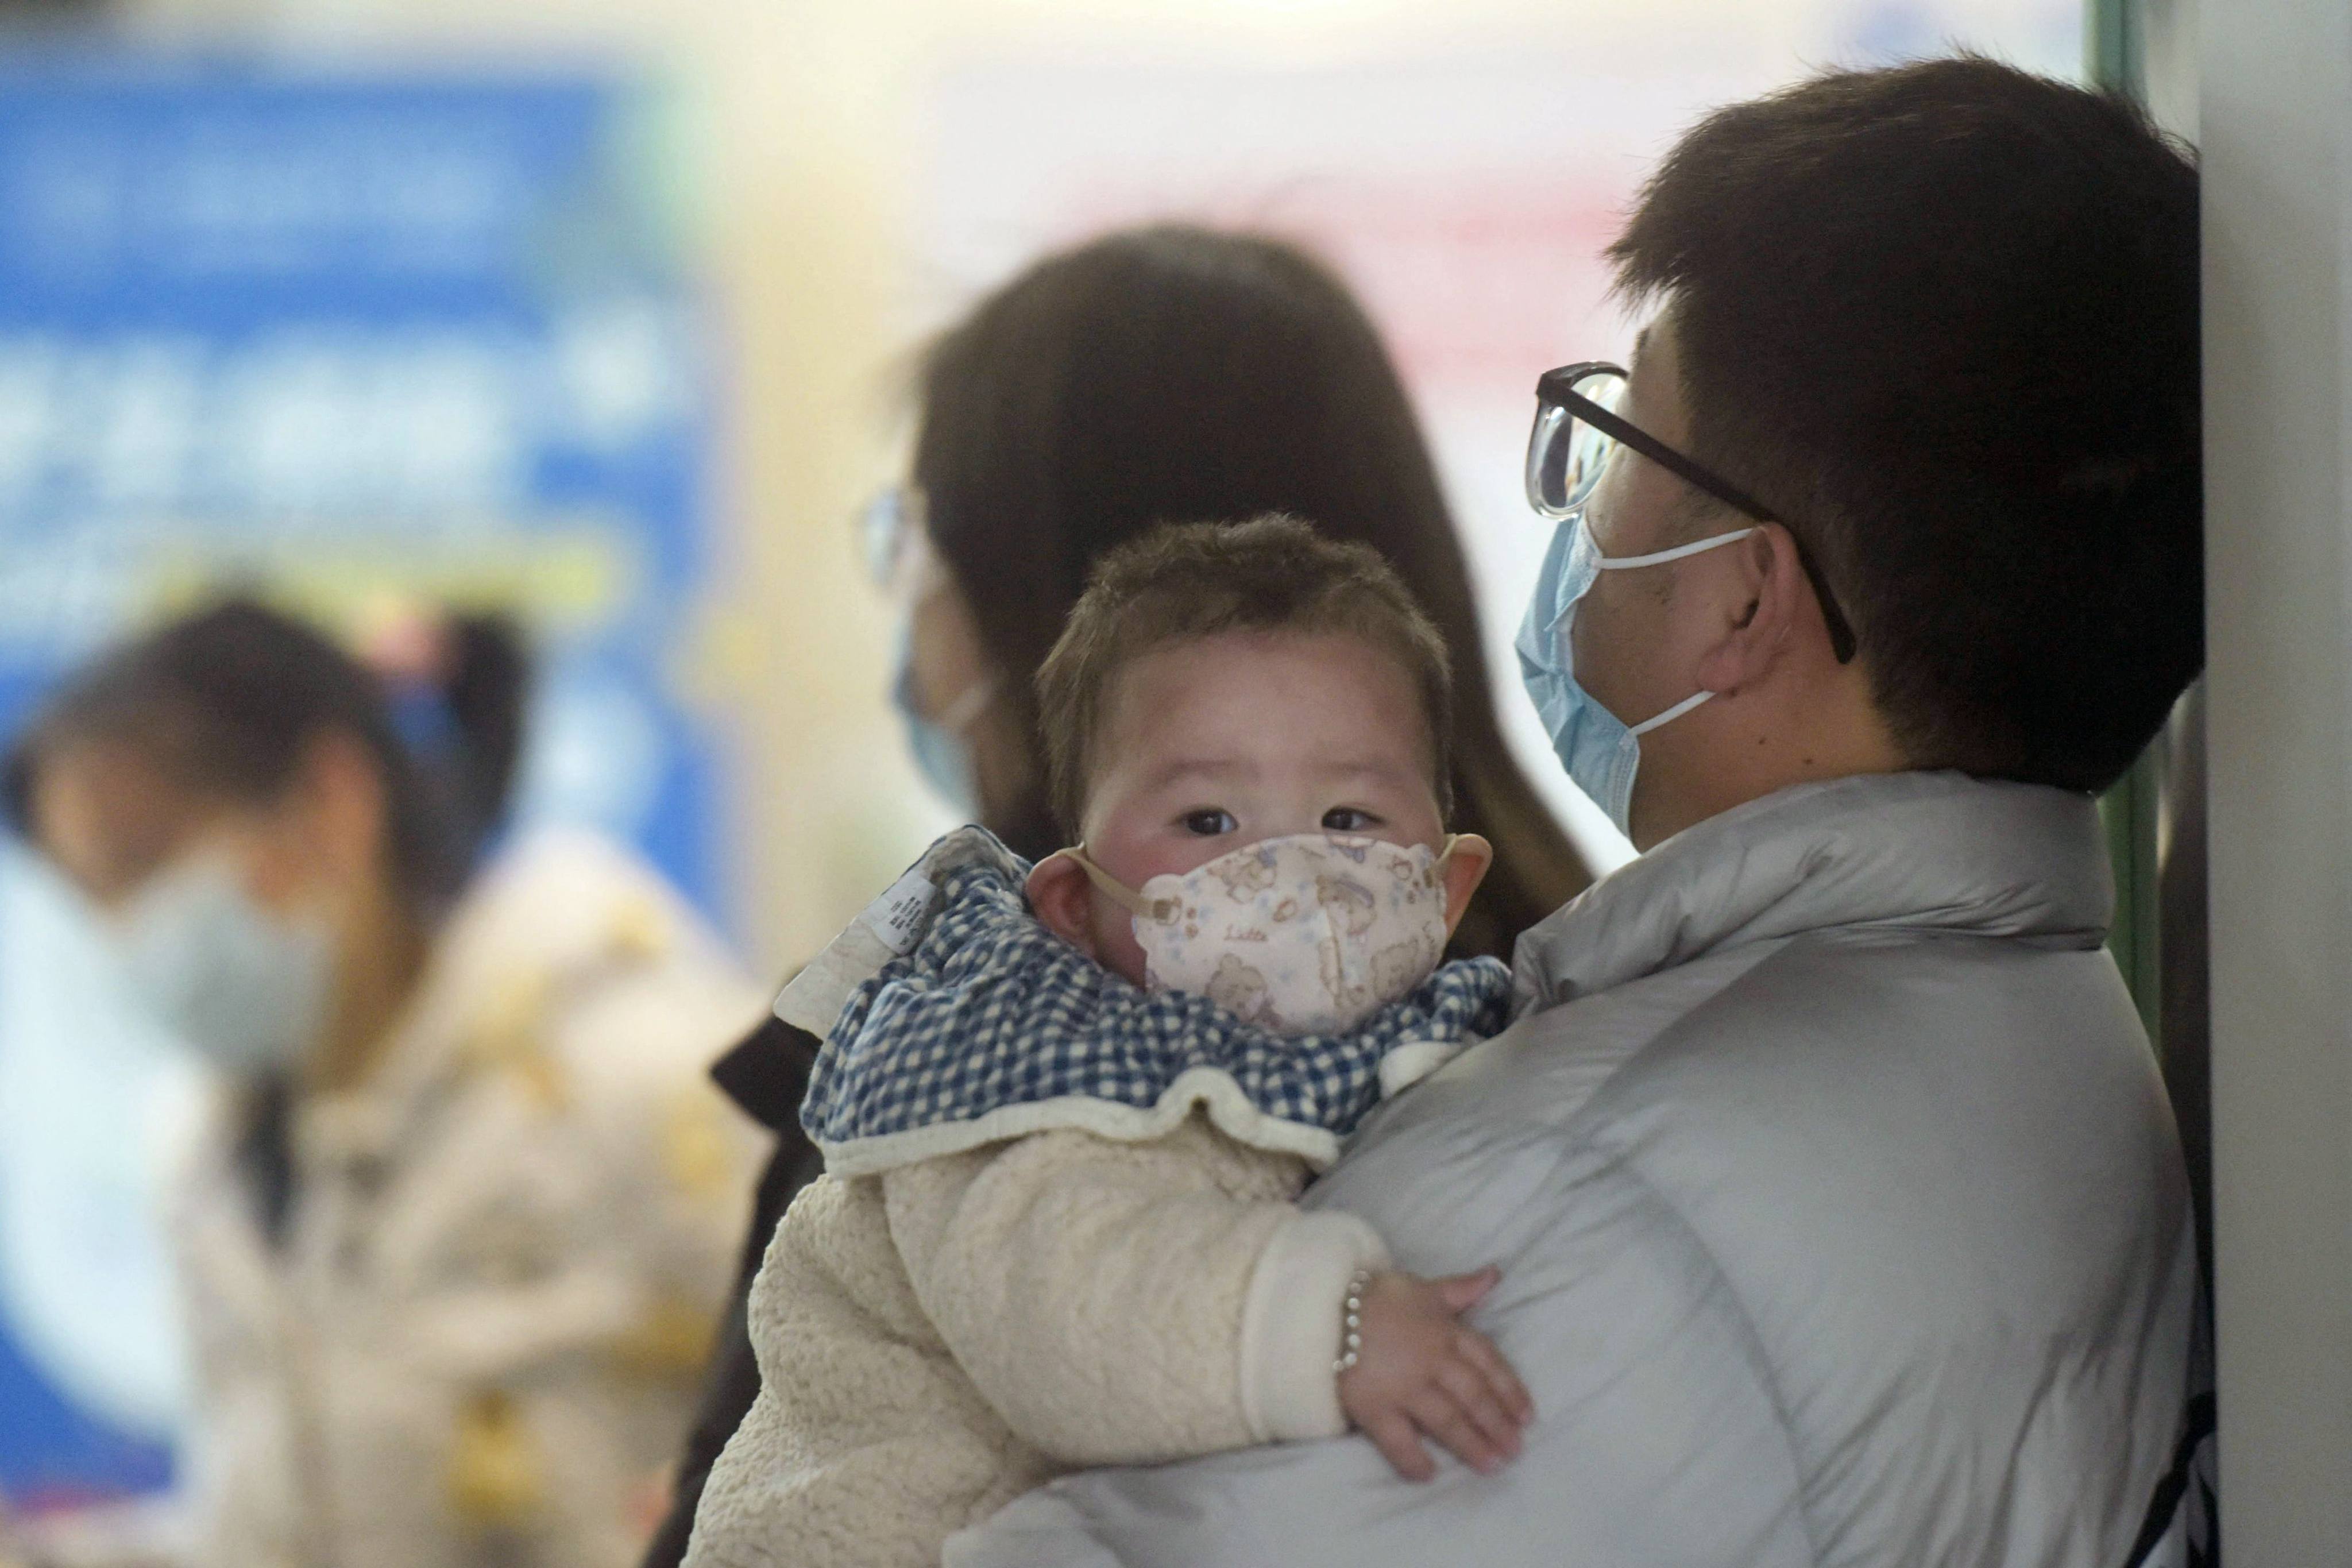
{"x": 355, "y": 341}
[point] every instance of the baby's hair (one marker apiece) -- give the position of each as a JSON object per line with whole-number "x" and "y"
{"x": 1182, "y": 581}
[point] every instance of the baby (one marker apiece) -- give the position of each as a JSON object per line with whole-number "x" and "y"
{"x": 1067, "y": 1111}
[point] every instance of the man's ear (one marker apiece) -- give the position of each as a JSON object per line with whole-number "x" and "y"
{"x": 1768, "y": 612}
{"x": 1462, "y": 871}
{"x": 1062, "y": 900}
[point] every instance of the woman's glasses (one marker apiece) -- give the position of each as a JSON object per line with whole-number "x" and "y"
{"x": 1578, "y": 431}
{"x": 887, "y": 528}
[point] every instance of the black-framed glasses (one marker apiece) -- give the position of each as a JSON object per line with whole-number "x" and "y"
{"x": 1578, "y": 430}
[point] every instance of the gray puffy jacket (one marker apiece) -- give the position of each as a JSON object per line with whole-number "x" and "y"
{"x": 1841, "y": 1215}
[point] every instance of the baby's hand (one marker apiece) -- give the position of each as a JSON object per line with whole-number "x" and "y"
{"x": 1420, "y": 1371}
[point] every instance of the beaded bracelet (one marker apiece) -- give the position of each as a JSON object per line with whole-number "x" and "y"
{"x": 1351, "y": 1336}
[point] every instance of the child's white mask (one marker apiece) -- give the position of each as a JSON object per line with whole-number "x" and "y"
{"x": 1307, "y": 934}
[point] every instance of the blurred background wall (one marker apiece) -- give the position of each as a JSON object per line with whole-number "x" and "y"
{"x": 854, "y": 171}
{"x": 818, "y": 184}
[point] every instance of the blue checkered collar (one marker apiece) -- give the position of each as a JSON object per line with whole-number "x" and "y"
{"x": 966, "y": 1022}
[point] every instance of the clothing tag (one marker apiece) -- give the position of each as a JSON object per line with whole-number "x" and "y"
{"x": 897, "y": 915}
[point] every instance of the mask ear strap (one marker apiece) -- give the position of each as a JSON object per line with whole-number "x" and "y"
{"x": 1660, "y": 557}
{"x": 966, "y": 709}
{"x": 1454, "y": 841}
{"x": 1162, "y": 911}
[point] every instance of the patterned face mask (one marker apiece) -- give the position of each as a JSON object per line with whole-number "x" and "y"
{"x": 1303, "y": 935}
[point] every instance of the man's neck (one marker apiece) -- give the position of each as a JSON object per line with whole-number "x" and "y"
{"x": 1747, "y": 750}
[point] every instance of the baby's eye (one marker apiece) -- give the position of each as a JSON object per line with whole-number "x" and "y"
{"x": 1210, "y": 822}
{"x": 1348, "y": 819}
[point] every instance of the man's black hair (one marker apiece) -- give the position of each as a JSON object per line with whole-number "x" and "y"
{"x": 1942, "y": 317}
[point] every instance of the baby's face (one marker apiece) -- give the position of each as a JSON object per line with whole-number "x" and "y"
{"x": 1213, "y": 744}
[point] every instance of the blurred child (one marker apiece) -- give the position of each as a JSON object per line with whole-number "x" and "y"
{"x": 1065, "y": 1132}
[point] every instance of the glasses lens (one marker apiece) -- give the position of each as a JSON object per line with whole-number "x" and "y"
{"x": 1566, "y": 456}
{"x": 1547, "y": 459}
{"x": 882, "y": 535}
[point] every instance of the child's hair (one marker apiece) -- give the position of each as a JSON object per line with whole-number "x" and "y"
{"x": 1187, "y": 581}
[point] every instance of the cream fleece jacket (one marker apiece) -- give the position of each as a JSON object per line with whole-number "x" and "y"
{"x": 941, "y": 1338}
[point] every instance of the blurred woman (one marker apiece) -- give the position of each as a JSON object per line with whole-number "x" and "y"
{"x": 456, "y": 1241}
{"x": 1164, "y": 374}
{"x": 1171, "y": 374}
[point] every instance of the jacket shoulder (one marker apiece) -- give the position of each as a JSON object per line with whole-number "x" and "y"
{"x": 579, "y": 968}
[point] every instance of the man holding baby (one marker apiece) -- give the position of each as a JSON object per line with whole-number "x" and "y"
{"x": 1840, "y": 1215}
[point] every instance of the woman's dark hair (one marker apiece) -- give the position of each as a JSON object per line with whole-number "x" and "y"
{"x": 1176, "y": 374}
{"x": 1943, "y": 318}
{"x": 227, "y": 699}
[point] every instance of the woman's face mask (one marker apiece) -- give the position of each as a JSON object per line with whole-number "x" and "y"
{"x": 244, "y": 985}
{"x": 1305, "y": 934}
{"x": 941, "y": 744}
{"x": 941, "y": 747}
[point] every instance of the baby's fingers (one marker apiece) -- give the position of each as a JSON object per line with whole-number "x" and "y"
{"x": 1468, "y": 1388}
{"x": 1463, "y": 1291}
{"x": 1479, "y": 1352}
{"x": 1437, "y": 1414}
{"x": 1399, "y": 1445}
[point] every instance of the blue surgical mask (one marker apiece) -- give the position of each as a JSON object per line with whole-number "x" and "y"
{"x": 1601, "y": 751}
{"x": 246, "y": 986}
{"x": 940, "y": 747}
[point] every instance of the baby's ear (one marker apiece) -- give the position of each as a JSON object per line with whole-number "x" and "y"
{"x": 1062, "y": 900}
{"x": 1463, "y": 870}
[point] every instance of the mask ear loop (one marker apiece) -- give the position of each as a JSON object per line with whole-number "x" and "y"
{"x": 1161, "y": 911}
{"x": 1660, "y": 557}
{"x": 966, "y": 709}
{"x": 1670, "y": 715}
